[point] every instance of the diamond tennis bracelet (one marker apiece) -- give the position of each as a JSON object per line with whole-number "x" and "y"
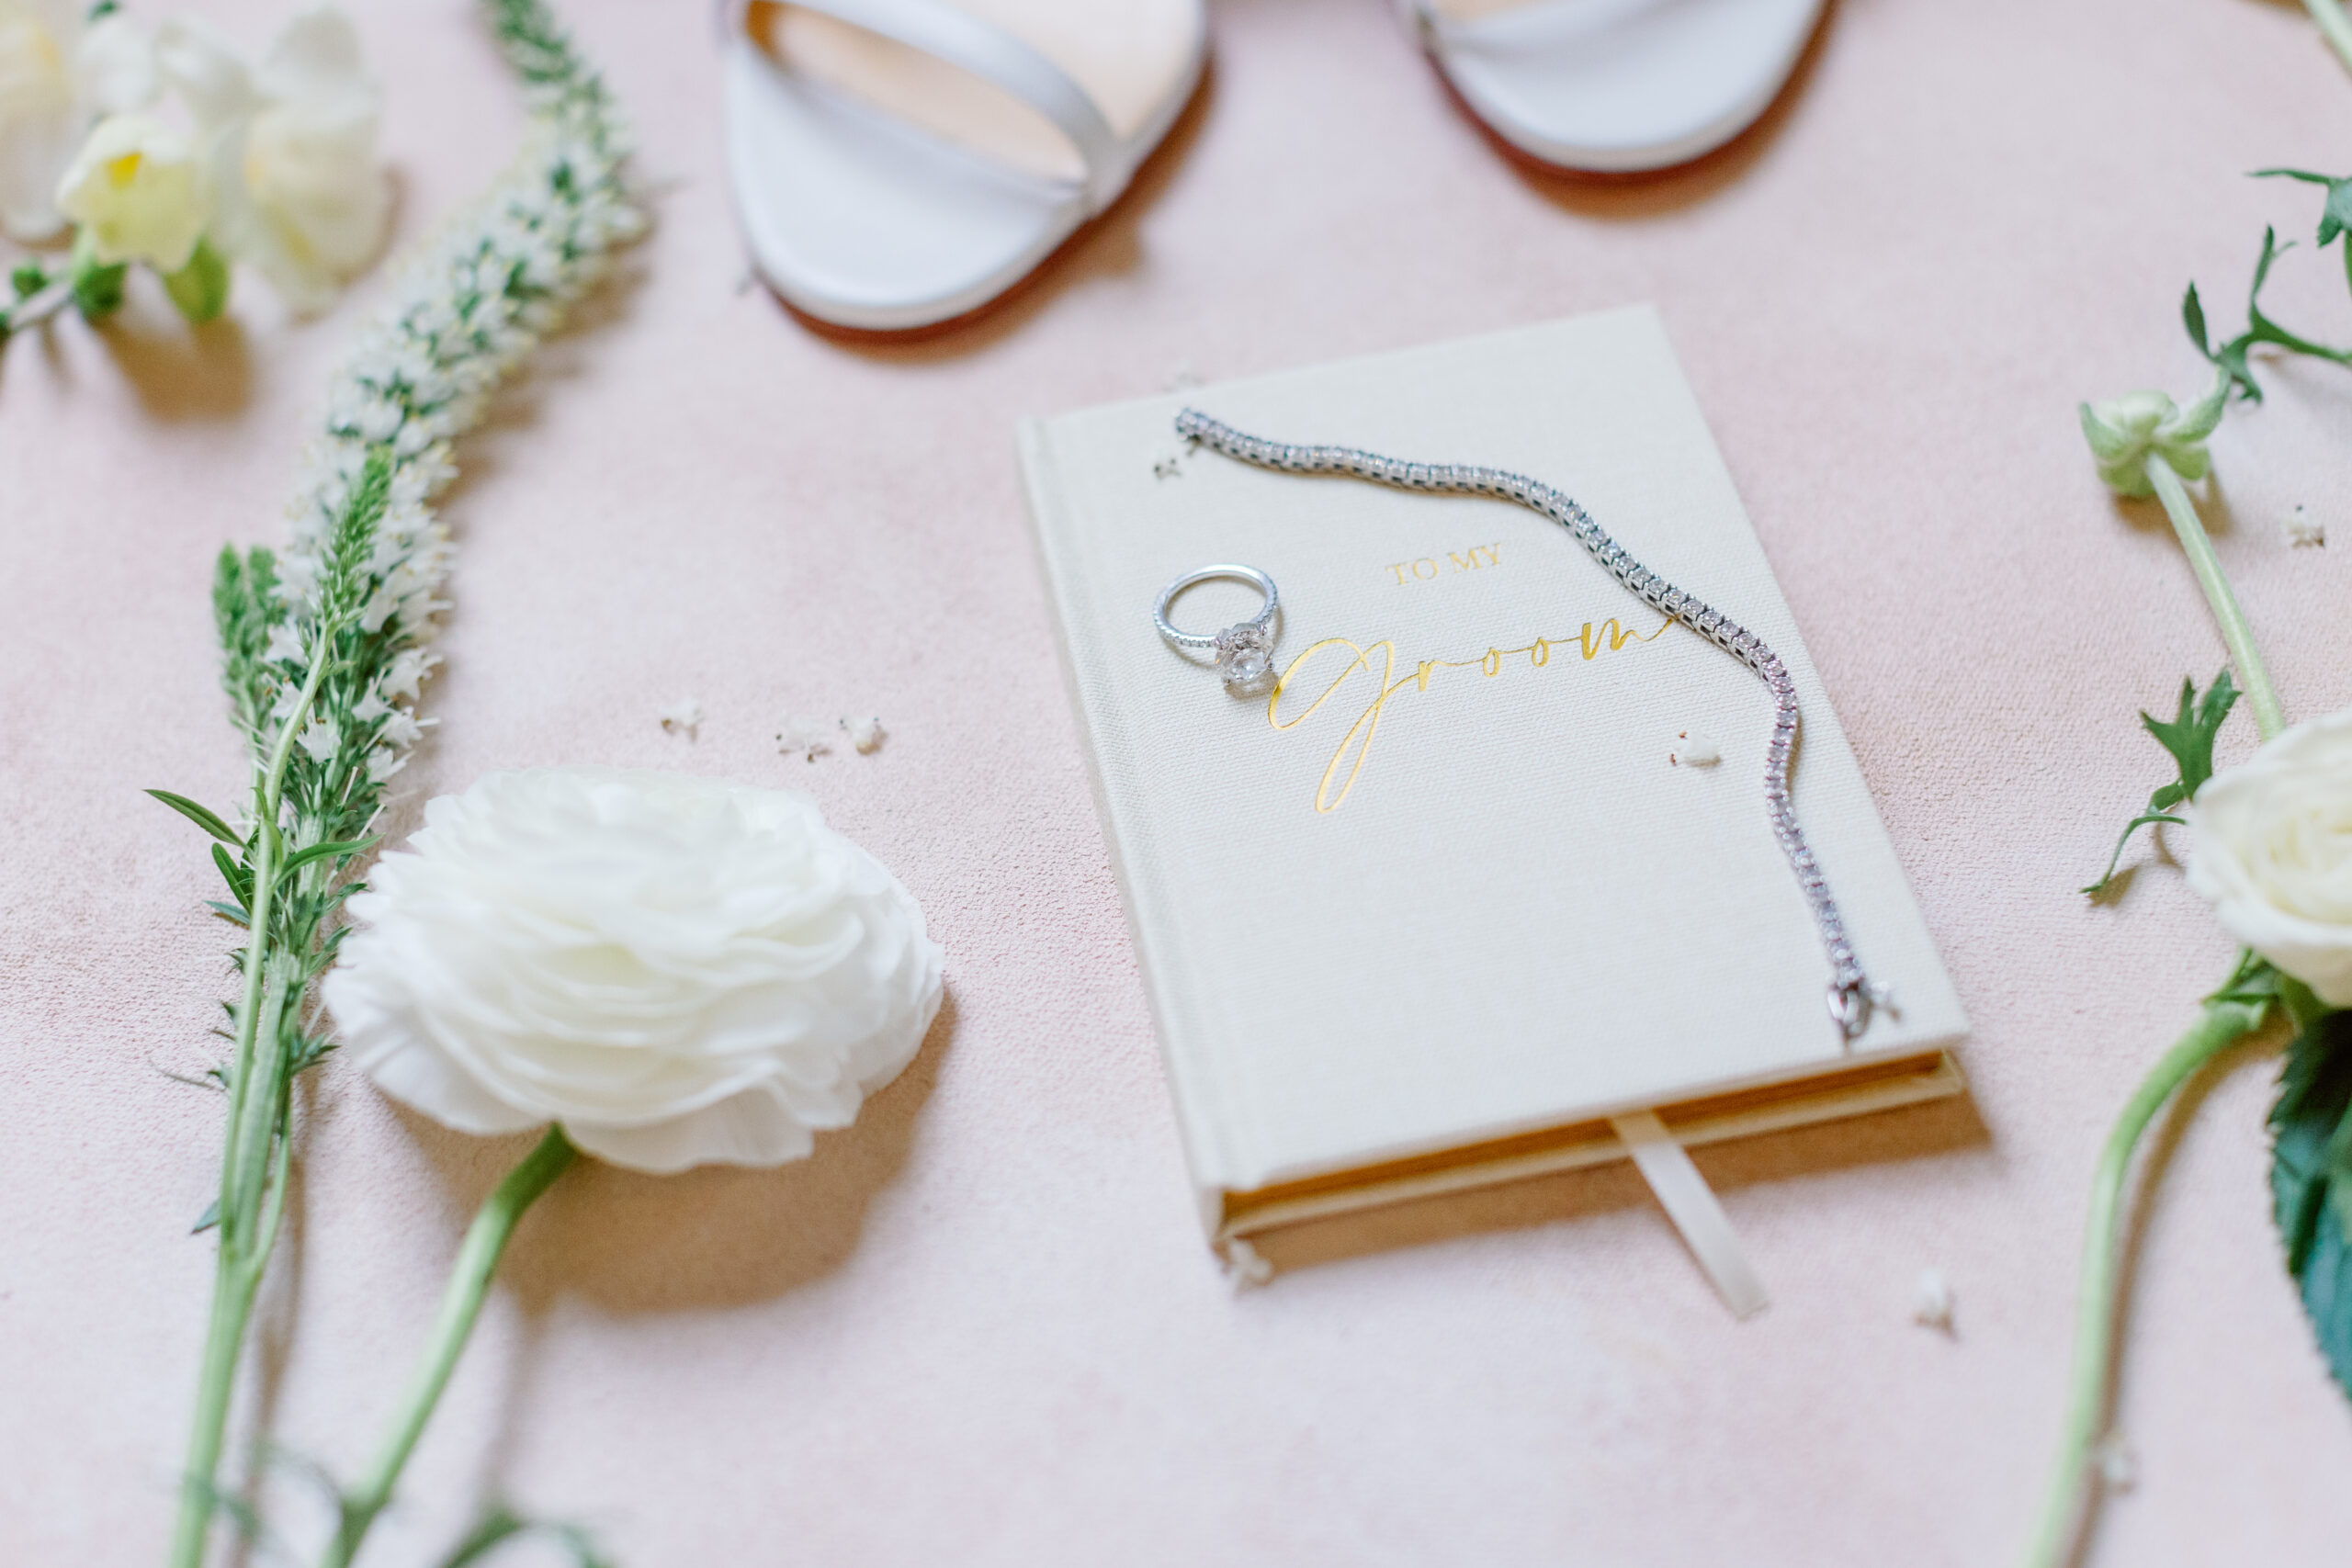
{"x": 1852, "y": 997}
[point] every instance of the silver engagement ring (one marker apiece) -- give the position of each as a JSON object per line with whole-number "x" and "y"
{"x": 1244, "y": 652}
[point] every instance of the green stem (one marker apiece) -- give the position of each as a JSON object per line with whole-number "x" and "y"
{"x": 468, "y": 1284}
{"x": 2223, "y": 1024}
{"x": 2334, "y": 26}
{"x": 251, "y": 1198}
{"x": 2269, "y": 718}
{"x": 36, "y": 308}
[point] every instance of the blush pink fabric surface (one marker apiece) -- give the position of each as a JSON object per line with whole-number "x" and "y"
{"x": 981, "y": 1327}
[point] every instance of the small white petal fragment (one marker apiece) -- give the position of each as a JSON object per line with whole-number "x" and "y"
{"x": 319, "y": 740}
{"x": 2117, "y": 1467}
{"x": 682, "y": 717}
{"x": 805, "y": 737}
{"x": 2302, "y": 528}
{"x": 285, "y": 646}
{"x": 1696, "y": 751}
{"x": 1245, "y": 1266}
{"x": 865, "y": 734}
{"x": 1931, "y": 1301}
{"x": 1165, "y": 466}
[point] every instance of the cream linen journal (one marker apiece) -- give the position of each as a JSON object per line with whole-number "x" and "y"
{"x": 1450, "y": 907}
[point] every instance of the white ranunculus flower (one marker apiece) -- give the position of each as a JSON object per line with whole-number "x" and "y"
{"x": 138, "y": 192}
{"x": 680, "y": 971}
{"x": 57, "y": 75}
{"x": 303, "y": 199}
{"x": 2274, "y": 853}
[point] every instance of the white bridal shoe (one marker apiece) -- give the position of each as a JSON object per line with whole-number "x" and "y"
{"x": 901, "y": 162}
{"x": 1615, "y": 86}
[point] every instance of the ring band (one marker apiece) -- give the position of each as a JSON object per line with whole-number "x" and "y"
{"x": 1244, "y": 651}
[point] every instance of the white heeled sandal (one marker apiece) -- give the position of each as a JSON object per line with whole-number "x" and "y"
{"x": 1615, "y": 86}
{"x": 899, "y": 164}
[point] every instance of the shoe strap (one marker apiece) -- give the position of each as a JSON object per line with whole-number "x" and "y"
{"x": 986, "y": 50}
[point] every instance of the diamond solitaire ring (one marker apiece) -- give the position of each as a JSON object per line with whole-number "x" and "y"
{"x": 1244, "y": 652}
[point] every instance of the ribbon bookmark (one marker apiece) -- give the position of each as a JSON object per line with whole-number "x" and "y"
{"x": 1688, "y": 1201}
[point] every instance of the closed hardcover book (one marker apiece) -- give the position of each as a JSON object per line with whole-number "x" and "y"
{"x": 1465, "y": 885}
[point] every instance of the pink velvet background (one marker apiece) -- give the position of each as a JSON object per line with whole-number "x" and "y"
{"x": 981, "y": 1327}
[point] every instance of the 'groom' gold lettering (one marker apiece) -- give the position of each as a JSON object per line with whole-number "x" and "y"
{"x": 1346, "y": 766}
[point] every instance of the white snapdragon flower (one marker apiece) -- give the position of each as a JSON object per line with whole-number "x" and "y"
{"x": 138, "y": 192}
{"x": 58, "y": 74}
{"x": 293, "y": 145}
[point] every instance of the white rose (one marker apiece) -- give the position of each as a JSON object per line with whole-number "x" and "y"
{"x": 2274, "y": 853}
{"x": 57, "y": 74}
{"x": 678, "y": 970}
{"x": 303, "y": 199}
{"x": 138, "y": 191}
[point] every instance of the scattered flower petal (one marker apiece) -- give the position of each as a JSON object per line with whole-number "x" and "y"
{"x": 682, "y": 717}
{"x": 865, "y": 734}
{"x": 806, "y": 737}
{"x": 1245, "y": 1266}
{"x": 1696, "y": 751}
{"x": 2302, "y": 528}
{"x": 2117, "y": 1467}
{"x": 1931, "y": 1301}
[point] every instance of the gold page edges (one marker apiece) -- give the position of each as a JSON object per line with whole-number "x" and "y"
{"x": 1853, "y": 1089}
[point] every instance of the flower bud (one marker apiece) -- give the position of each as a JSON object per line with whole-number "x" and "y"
{"x": 2123, "y": 432}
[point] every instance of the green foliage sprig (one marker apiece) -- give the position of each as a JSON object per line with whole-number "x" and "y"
{"x": 2188, "y": 737}
{"x": 2231, "y": 357}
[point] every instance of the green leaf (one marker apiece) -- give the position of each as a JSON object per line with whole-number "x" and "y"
{"x": 97, "y": 287}
{"x": 2192, "y": 316}
{"x": 199, "y": 814}
{"x": 230, "y": 912}
{"x": 2311, "y": 1181}
{"x": 200, "y": 289}
{"x": 28, "y": 278}
{"x": 2335, "y": 214}
{"x": 240, "y": 880}
{"x": 501, "y": 1524}
{"x": 302, "y": 858}
{"x": 2255, "y": 983}
{"x": 2188, "y": 737}
{"x": 207, "y": 1220}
